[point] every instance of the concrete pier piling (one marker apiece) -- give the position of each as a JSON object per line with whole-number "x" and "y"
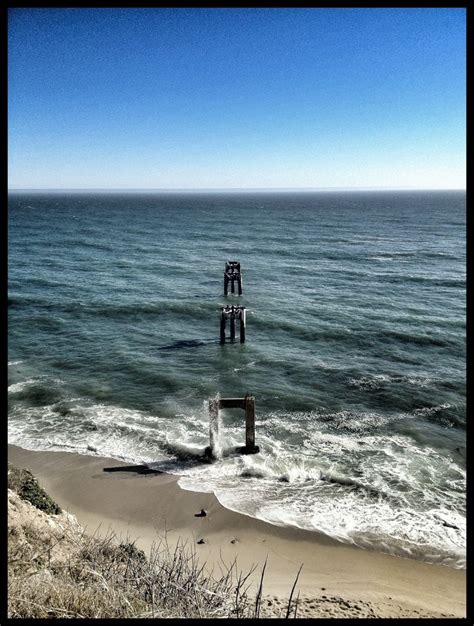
{"x": 250, "y": 423}
{"x": 213, "y": 422}
{"x": 243, "y": 322}
{"x": 232, "y": 275}
{"x": 248, "y": 405}
{"x": 233, "y": 313}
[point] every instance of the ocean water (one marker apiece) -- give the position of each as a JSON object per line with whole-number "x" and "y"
{"x": 355, "y": 350}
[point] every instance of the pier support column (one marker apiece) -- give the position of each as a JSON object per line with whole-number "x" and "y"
{"x": 232, "y": 328}
{"x": 248, "y": 405}
{"x": 250, "y": 424}
{"x": 223, "y": 318}
{"x": 232, "y": 274}
{"x": 242, "y": 326}
{"x": 232, "y": 313}
{"x": 213, "y": 426}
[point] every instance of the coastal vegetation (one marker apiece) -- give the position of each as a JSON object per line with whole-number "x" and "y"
{"x": 57, "y": 570}
{"x": 27, "y": 487}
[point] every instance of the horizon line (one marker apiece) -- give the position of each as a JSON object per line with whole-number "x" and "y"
{"x": 226, "y": 189}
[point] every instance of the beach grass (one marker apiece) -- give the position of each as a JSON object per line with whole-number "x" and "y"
{"x": 133, "y": 544}
{"x": 57, "y": 570}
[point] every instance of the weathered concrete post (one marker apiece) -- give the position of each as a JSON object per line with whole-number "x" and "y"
{"x": 223, "y": 319}
{"x": 233, "y": 313}
{"x": 250, "y": 423}
{"x": 248, "y": 405}
{"x": 242, "y": 325}
{"x": 213, "y": 422}
{"x": 232, "y": 323}
{"x": 232, "y": 273}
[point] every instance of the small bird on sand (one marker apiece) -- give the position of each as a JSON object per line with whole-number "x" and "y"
{"x": 202, "y": 513}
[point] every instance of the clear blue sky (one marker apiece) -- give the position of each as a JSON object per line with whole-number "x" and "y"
{"x": 226, "y": 98}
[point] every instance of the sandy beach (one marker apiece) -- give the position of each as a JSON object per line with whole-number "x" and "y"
{"x": 336, "y": 579}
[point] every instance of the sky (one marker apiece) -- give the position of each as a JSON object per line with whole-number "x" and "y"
{"x": 236, "y": 98}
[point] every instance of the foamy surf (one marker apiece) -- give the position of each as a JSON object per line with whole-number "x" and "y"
{"x": 382, "y": 492}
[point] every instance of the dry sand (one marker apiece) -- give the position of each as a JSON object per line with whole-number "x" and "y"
{"x": 337, "y": 580}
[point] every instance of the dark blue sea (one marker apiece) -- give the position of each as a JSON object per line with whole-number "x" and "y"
{"x": 355, "y": 350}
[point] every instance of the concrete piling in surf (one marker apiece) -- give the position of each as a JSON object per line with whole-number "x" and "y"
{"x": 248, "y": 405}
{"x": 232, "y": 313}
{"x": 213, "y": 423}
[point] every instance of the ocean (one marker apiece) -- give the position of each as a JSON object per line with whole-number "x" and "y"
{"x": 355, "y": 350}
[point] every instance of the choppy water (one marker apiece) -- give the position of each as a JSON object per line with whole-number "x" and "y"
{"x": 355, "y": 350}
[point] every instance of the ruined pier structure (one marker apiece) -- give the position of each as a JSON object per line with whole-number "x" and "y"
{"x": 232, "y": 274}
{"x": 233, "y": 313}
{"x": 248, "y": 405}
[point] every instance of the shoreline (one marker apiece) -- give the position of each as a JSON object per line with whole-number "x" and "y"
{"x": 335, "y": 577}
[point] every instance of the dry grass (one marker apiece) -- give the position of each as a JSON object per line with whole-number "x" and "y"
{"x": 56, "y": 570}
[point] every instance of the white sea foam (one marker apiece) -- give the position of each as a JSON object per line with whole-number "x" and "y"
{"x": 363, "y": 488}
{"x": 389, "y": 259}
{"x": 430, "y": 410}
{"x": 369, "y": 510}
{"x": 20, "y": 386}
{"x": 378, "y": 380}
